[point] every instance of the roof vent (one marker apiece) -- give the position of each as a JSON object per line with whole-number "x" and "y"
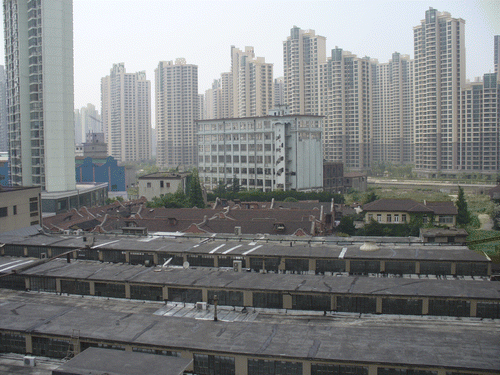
{"x": 369, "y": 246}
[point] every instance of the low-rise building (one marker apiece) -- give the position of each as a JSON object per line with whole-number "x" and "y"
{"x": 161, "y": 183}
{"x": 275, "y": 152}
{"x": 399, "y": 211}
{"x": 19, "y": 207}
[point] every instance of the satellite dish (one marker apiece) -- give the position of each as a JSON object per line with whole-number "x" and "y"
{"x": 185, "y": 265}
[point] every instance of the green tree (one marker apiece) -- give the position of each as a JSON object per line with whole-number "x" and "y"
{"x": 346, "y": 225}
{"x": 235, "y": 184}
{"x": 463, "y": 216}
{"x": 195, "y": 196}
{"x": 371, "y": 197}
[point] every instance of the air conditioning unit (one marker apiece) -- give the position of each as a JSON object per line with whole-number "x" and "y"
{"x": 201, "y": 305}
{"x": 237, "y": 231}
{"x": 29, "y": 361}
{"x": 43, "y": 255}
{"x": 237, "y": 265}
{"x": 67, "y": 231}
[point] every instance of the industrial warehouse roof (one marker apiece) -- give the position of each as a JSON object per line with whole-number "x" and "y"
{"x": 204, "y": 277}
{"x": 447, "y": 343}
{"x": 117, "y": 362}
{"x": 258, "y": 246}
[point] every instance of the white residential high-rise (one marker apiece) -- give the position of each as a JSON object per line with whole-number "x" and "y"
{"x": 213, "y": 101}
{"x": 303, "y": 52}
{"x": 439, "y": 76}
{"x": 39, "y": 66}
{"x": 479, "y": 133}
{"x": 346, "y": 102}
{"x": 177, "y": 109}
{"x": 497, "y": 54}
{"x": 126, "y": 114}
{"x": 226, "y": 86}
{"x": 279, "y": 91}
{"x": 392, "y": 128}
{"x": 87, "y": 120}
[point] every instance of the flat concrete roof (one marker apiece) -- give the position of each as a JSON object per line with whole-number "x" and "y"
{"x": 258, "y": 246}
{"x": 118, "y": 362}
{"x": 446, "y": 343}
{"x": 226, "y": 278}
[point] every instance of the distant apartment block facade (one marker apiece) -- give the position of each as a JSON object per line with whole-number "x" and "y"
{"x": 87, "y": 120}
{"x": 439, "y": 76}
{"x": 303, "y": 52}
{"x": 479, "y": 131}
{"x": 126, "y": 114}
{"x": 496, "y": 58}
{"x": 4, "y": 129}
{"x": 275, "y": 152}
{"x": 392, "y": 128}
{"x": 39, "y": 67}
{"x": 346, "y": 102}
{"x": 177, "y": 109}
{"x": 213, "y": 101}
{"x": 279, "y": 91}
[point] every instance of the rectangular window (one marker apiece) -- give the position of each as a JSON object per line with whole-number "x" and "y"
{"x": 161, "y": 184}
{"x": 379, "y": 218}
{"x": 3, "y": 211}
{"x": 389, "y": 218}
{"x": 396, "y": 218}
{"x": 403, "y": 218}
{"x": 14, "y": 209}
{"x": 148, "y": 184}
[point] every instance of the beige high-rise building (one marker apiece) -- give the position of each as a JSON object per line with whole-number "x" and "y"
{"x": 126, "y": 114}
{"x": 479, "y": 132}
{"x": 439, "y": 76}
{"x": 226, "y": 87}
{"x": 392, "y": 128}
{"x": 177, "y": 109}
{"x": 346, "y": 102}
{"x": 303, "y": 52}
{"x": 252, "y": 88}
{"x": 278, "y": 91}
{"x": 213, "y": 99}
{"x": 497, "y": 54}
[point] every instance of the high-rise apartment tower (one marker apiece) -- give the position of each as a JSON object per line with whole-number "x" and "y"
{"x": 177, "y": 109}
{"x": 439, "y": 75}
{"x": 126, "y": 114}
{"x": 39, "y": 65}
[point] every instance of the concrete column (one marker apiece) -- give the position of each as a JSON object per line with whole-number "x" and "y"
{"x": 155, "y": 258}
{"x": 49, "y": 252}
{"x": 247, "y": 298}
{"x": 334, "y": 303}
{"x": 184, "y": 258}
{"x": 100, "y": 254}
{"x": 489, "y": 269}
{"x": 92, "y": 288}
{"x": 372, "y": 370}
{"x": 306, "y": 368}
{"x": 29, "y": 344}
{"x": 58, "y": 285}
{"x": 347, "y": 265}
{"x": 127, "y": 256}
{"x": 165, "y": 293}
{"x": 425, "y": 306}
{"x": 240, "y": 365}
{"x": 379, "y": 305}
{"x": 453, "y": 268}
{"x": 25, "y": 251}
{"x": 204, "y": 295}
{"x": 382, "y": 266}
{"x": 312, "y": 265}
{"x": 128, "y": 348}
{"x": 127, "y": 290}
{"x": 287, "y": 301}
{"x": 417, "y": 267}
{"x": 473, "y": 308}
{"x": 282, "y": 265}
{"x": 27, "y": 284}
{"x": 216, "y": 261}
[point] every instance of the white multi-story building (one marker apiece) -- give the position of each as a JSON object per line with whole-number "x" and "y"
{"x": 479, "y": 132}
{"x": 126, "y": 114}
{"x": 87, "y": 120}
{"x": 39, "y": 66}
{"x": 279, "y": 91}
{"x": 177, "y": 109}
{"x": 303, "y": 52}
{"x": 213, "y": 99}
{"x": 346, "y": 102}
{"x": 275, "y": 152}
{"x": 4, "y": 129}
{"x": 497, "y": 54}
{"x": 439, "y": 76}
{"x": 392, "y": 127}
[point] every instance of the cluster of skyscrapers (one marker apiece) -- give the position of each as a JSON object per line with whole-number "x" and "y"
{"x": 419, "y": 111}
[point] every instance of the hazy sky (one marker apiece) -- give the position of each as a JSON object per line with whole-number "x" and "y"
{"x": 141, "y": 33}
